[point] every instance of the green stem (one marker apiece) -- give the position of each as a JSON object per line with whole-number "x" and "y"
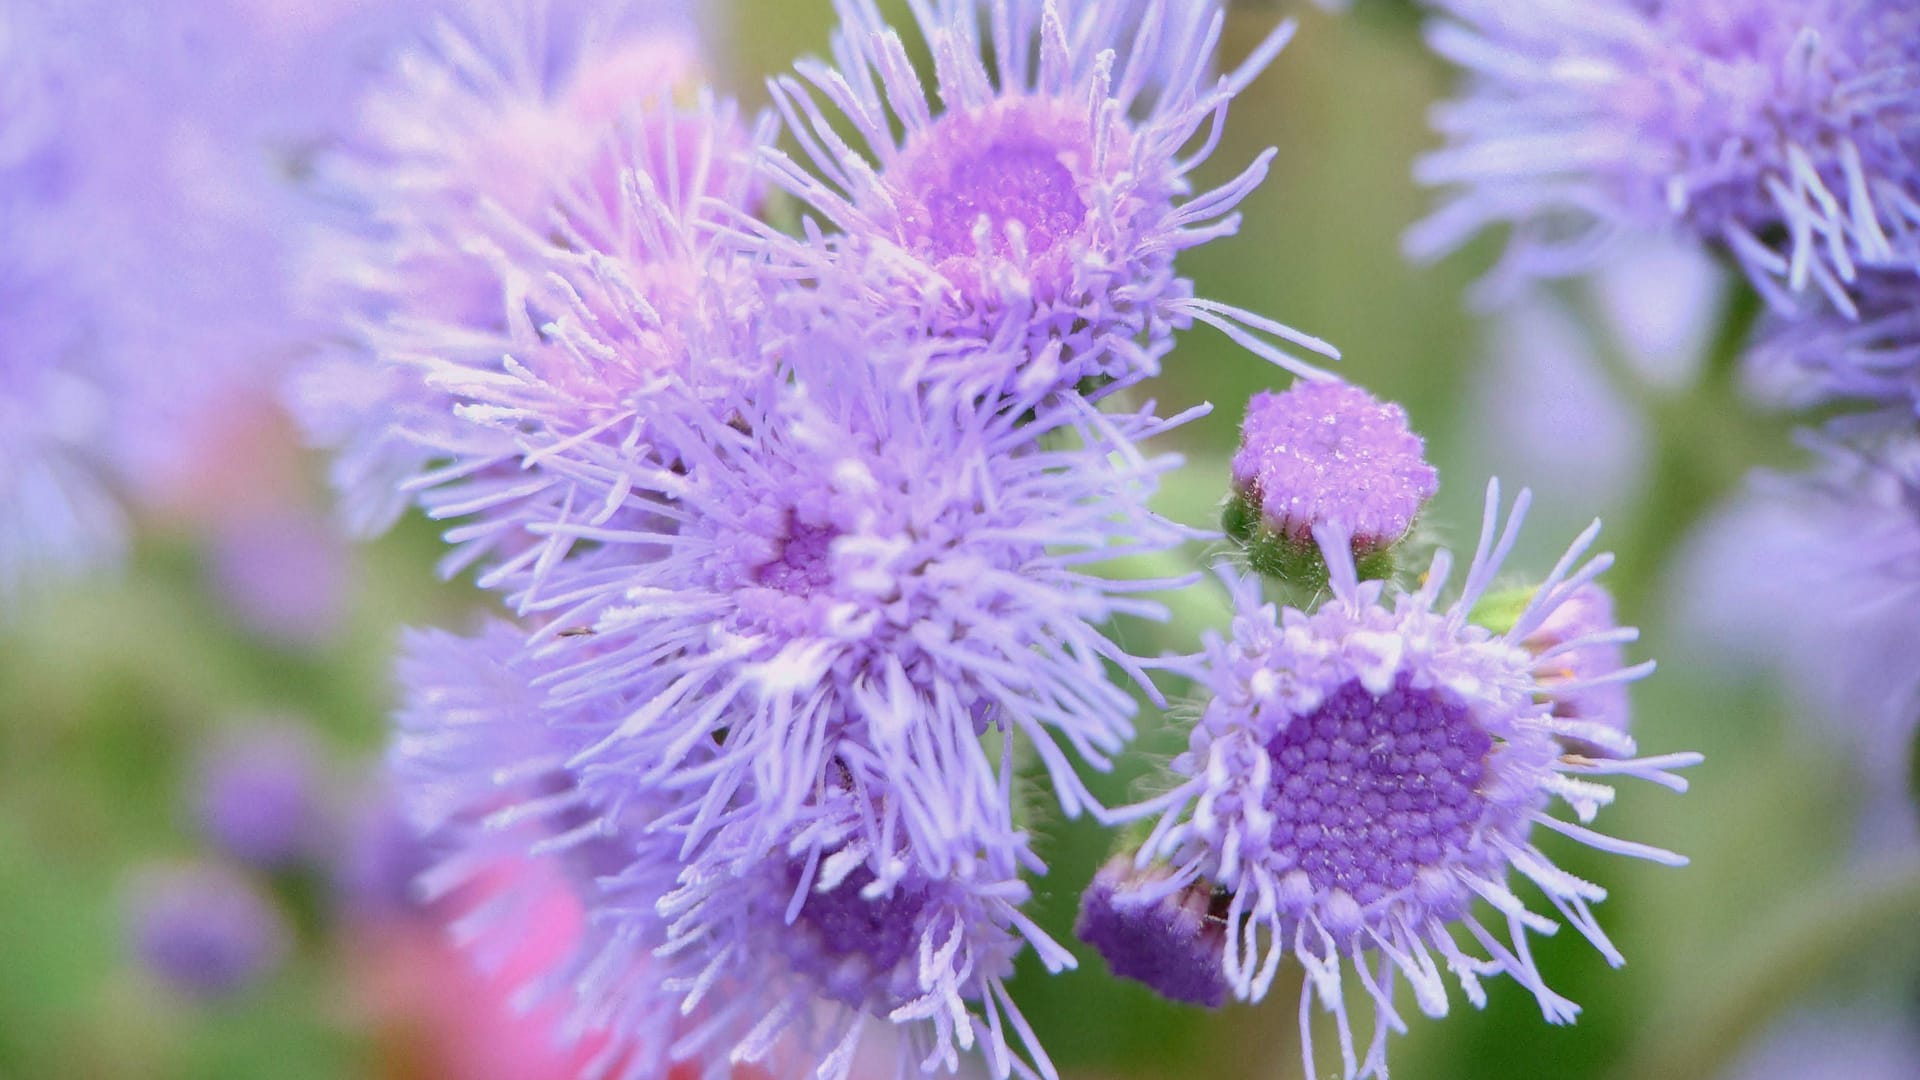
{"x": 1842, "y": 921}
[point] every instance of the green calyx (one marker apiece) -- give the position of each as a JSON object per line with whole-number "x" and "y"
{"x": 1297, "y": 563}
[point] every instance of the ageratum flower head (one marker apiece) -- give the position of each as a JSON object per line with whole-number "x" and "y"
{"x": 1784, "y": 132}
{"x": 1031, "y": 222}
{"x": 57, "y": 509}
{"x": 1871, "y": 360}
{"x": 204, "y": 931}
{"x": 1173, "y": 942}
{"x": 799, "y": 949}
{"x": 480, "y": 768}
{"x": 637, "y": 295}
{"x": 260, "y": 797}
{"x": 1364, "y": 775}
{"x": 828, "y": 573}
{"x": 1325, "y": 454}
{"x": 502, "y": 134}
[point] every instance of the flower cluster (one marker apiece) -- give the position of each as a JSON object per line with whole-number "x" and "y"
{"x": 145, "y": 310}
{"x": 799, "y": 533}
{"x": 804, "y": 532}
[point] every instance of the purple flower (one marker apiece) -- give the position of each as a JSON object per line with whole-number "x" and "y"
{"x": 480, "y": 769}
{"x": 1579, "y": 652}
{"x": 752, "y": 948}
{"x": 1175, "y": 943}
{"x": 204, "y": 931}
{"x": 833, "y": 576}
{"x": 1870, "y": 359}
{"x": 1840, "y": 628}
{"x": 524, "y": 164}
{"x": 1032, "y": 222}
{"x": 795, "y": 952}
{"x": 166, "y": 134}
{"x": 1784, "y": 132}
{"x": 1325, "y": 454}
{"x": 283, "y": 576}
{"x": 59, "y": 509}
{"x": 379, "y": 857}
{"x": 1364, "y": 774}
{"x": 259, "y": 796}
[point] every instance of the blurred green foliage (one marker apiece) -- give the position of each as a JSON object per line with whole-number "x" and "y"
{"x": 106, "y": 688}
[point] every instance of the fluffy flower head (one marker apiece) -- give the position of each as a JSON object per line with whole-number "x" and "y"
{"x": 1364, "y": 775}
{"x": 1032, "y": 222}
{"x": 834, "y": 574}
{"x": 1783, "y": 131}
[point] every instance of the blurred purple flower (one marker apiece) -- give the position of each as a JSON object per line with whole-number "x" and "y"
{"x": 519, "y": 157}
{"x": 260, "y": 797}
{"x": 169, "y": 135}
{"x": 378, "y": 858}
{"x": 1864, "y": 1042}
{"x": 1032, "y": 225}
{"x": 1783, "y": 131}
{"x": 1362, "y": 775}
{"x": 1872, "y": 360}
{"x": 285, "y": 576}
{"x": 1841, "y": 626}
{"x": 204, "y": 931}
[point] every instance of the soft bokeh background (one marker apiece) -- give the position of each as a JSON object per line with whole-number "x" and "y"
{"x": 1797, "y": 921}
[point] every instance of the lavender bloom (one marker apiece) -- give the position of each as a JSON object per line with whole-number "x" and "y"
{"x": 1872, "y": 359}
{"x": 379, "y": 858}
{"x": 166, "y": 134}
{"x": 1581, "y": 651}
{"x": 503, "y": 133}
{"x": 797, "y": 951}
{"x": 283, "y": 576}
{"x": 1325, "y": 454}
{"x": 1782, "y": 131}
{"x": 1033, "y": 224}
{"x": 480, "y": 768}
{"x": 58, "y": 510}
{"x": 1363, "y": 774}
{"x": 258, "y": 798}
{"x": 204, "y": 931}
{"x": 832, "y": 573}
{"x": 1175, "y": 943}
{"x": 1841, "y": 627}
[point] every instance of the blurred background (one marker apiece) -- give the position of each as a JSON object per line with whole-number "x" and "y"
{"x": 216, "y": 707}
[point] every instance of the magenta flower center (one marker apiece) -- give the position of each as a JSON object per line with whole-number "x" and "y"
{"x": 1368, "y": 791}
